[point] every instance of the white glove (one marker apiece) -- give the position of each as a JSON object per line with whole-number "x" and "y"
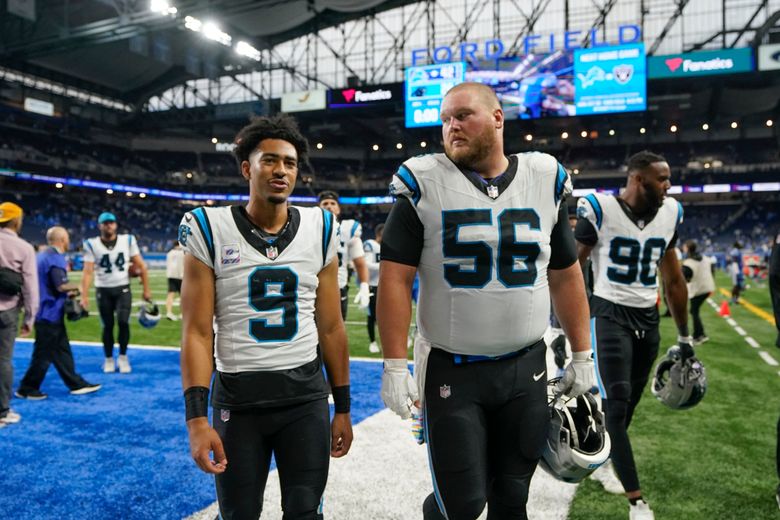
{"x": 399, "y": 390}
{"x": 578, "y": 377}
{"x": 363, "y": 297}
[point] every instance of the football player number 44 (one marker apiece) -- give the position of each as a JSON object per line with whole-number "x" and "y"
{"x": 273, "y": 291}
{"x": 515, "y": 260}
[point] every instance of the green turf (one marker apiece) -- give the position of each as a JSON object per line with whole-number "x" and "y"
{"x": 717, "y": 460}
{"x": 168, "y": 333}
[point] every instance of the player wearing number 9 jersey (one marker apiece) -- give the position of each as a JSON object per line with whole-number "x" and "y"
{"x": 627, "y": 238}
{"x": 108, "y": 258}
{"x": 489, "y": 236}
{"x": 255, "y": 280}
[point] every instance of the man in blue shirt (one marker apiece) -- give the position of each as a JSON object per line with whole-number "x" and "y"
{"x": 51, "y": 337}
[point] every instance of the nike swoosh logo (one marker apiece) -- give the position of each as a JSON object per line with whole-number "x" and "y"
{"x": 538, "y": 376}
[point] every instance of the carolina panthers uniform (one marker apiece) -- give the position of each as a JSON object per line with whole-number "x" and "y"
{"x": 627, "y": 249}
{"x": 350, "y": 246}
{"x": 372, "y": 248}
{"x": 112, "y": 286}
{"x": 482, "y": 249}
{"x": 269, "y": 392}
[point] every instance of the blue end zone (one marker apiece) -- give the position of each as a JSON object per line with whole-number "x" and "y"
{"x": 121, "y": 452}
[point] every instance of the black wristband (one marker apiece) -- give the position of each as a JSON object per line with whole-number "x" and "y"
{"x": 196, "y": 402}
{"x": 341, "y": 399}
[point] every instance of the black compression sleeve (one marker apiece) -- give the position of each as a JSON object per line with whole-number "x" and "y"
{"x": 563, "y": 249}
{"x": 402, "y": 238}
{"x": 585, "y": 233}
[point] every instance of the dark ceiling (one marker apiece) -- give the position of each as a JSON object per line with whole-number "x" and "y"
{"x": 122, "y": 50}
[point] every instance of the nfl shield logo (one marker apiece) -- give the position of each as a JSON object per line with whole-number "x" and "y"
{"x": 492, "y": 191}
{"x": 445, "y": 391}
{"x": 224, "y": 415}
{"x": 271, "y": 252}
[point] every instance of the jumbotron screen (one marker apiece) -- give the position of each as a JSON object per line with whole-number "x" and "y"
{"x": 599, "y": 80}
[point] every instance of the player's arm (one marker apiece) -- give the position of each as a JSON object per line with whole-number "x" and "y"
{"x": 394, "y": 307}
{"x": 333, "y": 341}
{"x": 358, "y": 258}
{"x": 570, "y": 303}
{"x": 137, "y": 261}
{"x": 677, "y": 298}
{"x": 197, "y": 362}
{"x": 86, "y": 281}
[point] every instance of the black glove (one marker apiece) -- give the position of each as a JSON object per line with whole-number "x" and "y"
{"x": 686, "y": 347}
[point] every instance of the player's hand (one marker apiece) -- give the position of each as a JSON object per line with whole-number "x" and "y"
{"x": 399, "y": 390}
{"x": 686, "y": 347}
{"x": 85, "y": 301}
{"x": 148, "y": 295}
{"x": 203, "y": 440}
{"x": 363, "y": 297}
{"x": 25, "y": 330}
{"x": 340, "y": 435}
{"x": 578, "y": 377}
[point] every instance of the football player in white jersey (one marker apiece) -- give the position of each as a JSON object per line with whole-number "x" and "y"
{"x": 628, "y": 238}
{"x": 106, "y": 258}
{"x": 350, "y": 250}
{"x": 372, "y": 249}
{"x": 263, "y": 274}
{"x": 489, "y": 236}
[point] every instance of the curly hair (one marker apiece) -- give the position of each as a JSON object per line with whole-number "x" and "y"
{"x": 643, "y": 159}
{"x": 281, "y": 127}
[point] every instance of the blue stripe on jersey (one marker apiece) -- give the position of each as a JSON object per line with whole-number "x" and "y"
{"x": 679, "y": 213}
{"x": 205, "y": 229}
{"x": 352, "y": 231}
{"x": 560, "y": 182}
{"x": 594, "y": 347}
{"x": 129, "y": 243}
{"x": 407, "y": 177}
{"x": 436, "y": 492}
{"x": 594, "y": 202}
{"x": 327, "y": 225}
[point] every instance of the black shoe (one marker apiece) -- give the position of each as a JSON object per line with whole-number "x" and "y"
{"x": 86, "y": 389}
{"x": 32, "y": 395}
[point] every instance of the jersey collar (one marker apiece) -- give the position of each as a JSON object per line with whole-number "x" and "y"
{"x": 492, "y": 188}
{"x": 268, "y": 246}
{"x": 640, "y": 221}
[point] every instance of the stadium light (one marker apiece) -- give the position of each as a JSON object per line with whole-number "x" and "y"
{"x": 734, "y": 124}
{"x": 576, "y": 171}
{"x": 58, "y": 185}
{"x": 193, "y": 24}
{"x": 673, "y": 128}
{"x": 245, "y": 49}
{"x": 142, "y": 195}
{"x": 642, "y": 130}
{"x": 584, "y": 133}
{"x": 611, "y": 132}
{"x": 423, "y": 144}
{"x": 375, "y": 147}
{"x": 565, "y": 135}
{"x": 319, "y": 146}
{"x": 109, "y": 191}
{"x": 214, "y": 140}
{"x": 706, "y": 166}
{"x": 529, "y": 137}
{"x": 398, "y": 146}
{"x": 769, "y": 122}
{"x": 212, "y": 32}
{"x": 129, "y": 194}
{"x": 705, "y": 127}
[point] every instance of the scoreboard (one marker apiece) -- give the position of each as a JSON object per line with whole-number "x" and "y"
{"x": 425, "y": 88}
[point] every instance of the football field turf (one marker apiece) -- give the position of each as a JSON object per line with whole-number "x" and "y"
{"x": 713, "y": 461}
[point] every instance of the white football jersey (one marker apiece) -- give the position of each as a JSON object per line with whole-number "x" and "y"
{"x": 627, "y": 254}
{"x": 371, "y": 248}
{"x": 265, "y": 289}
{"x": 350, "y": 247}
{"x": 174, "y": 263}
{"x": 483, "y": 267}
{"x": 111, "y": 264}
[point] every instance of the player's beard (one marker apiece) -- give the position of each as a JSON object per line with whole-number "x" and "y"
{"x": 478, "y": 150}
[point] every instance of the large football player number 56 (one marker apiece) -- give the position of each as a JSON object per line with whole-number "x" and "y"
{"x": 516, "y": 260}
{"x": 274, "y": 292}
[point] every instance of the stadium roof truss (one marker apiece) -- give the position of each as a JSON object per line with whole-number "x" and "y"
{"x": 123, "y": 51}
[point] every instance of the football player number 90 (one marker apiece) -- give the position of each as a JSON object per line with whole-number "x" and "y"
{"x": 516, "y": 260}
{"x": 274, "y": 292}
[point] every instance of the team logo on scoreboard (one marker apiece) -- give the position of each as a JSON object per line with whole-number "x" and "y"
{"x": 623, "y": 73}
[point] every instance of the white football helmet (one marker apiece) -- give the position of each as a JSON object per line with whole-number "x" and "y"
{"x": 577, "y": 440}
{"x": 678, "y": 383}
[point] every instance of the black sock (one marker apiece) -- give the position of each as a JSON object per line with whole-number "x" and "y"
{"x": 634, "y": 500}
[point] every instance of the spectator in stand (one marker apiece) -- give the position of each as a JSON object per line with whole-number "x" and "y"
{"x": 18, "y": 287}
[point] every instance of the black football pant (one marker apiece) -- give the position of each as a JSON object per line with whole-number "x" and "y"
{"x": 114, "y": 301}
{"x": 623, "y": 359}
{"x": 51, "y": 347}
{"x": 299, "y": 438}
{"x": 485, "y": 427}
{"x": 371, "y": 320}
